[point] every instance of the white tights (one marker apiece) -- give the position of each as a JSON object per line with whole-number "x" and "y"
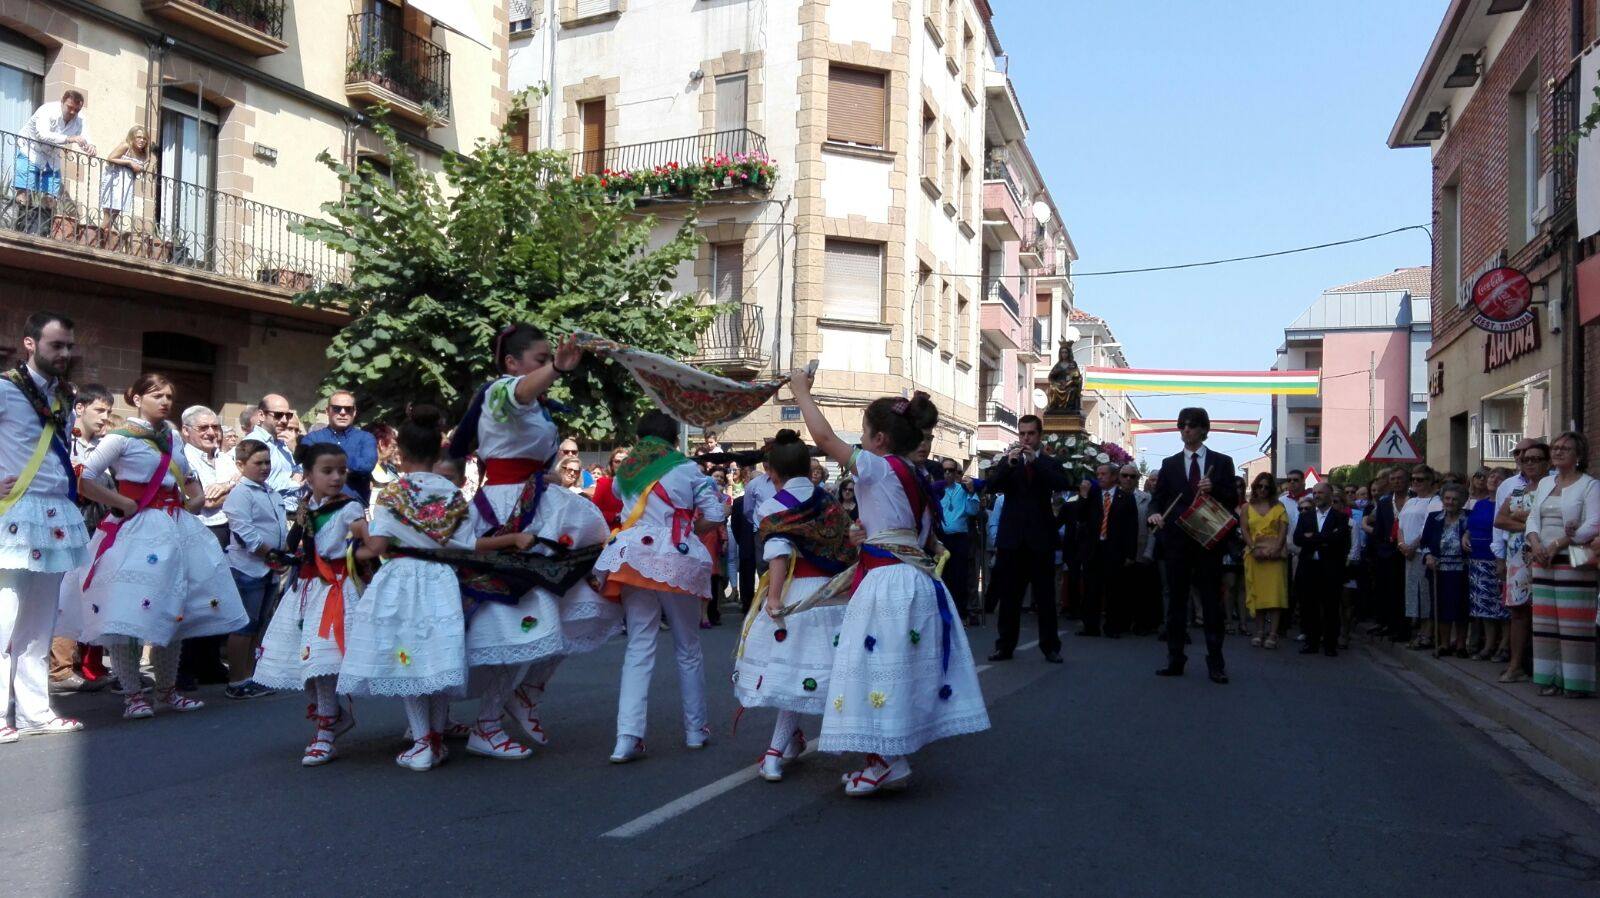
{"x": 163, "y": 659}
{"x": 321, "y": 692}
{"x": 496, "y": 691}
{"x": 784, "y": 730}
{"x": 427, "y": 713}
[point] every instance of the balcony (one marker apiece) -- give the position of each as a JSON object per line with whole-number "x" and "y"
{"x": 389, "y": 67}
{"x": 1301, "y": 403}
{"x": 1564, "y": 161}
{"x": 1005, "y": 110}
{"x": 170, "y": 236}
{"x": 999, "y": 413}
{"x": 254, "y": 26}
{"x": 1500, "y": 446}
{"x": 999, "y": 316}
{"x": 1300, "y": 455}
{"x": 1032, "y": 252}
{"x": 733, "y": 344}
{"x": 1002, "y": 204}
{"x": 670, "y": 170}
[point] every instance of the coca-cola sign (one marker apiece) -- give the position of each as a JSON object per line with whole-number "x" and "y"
{"x": 1502, "y": 300}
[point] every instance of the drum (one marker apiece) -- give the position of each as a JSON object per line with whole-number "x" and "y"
{"x": 1207, "y": 522}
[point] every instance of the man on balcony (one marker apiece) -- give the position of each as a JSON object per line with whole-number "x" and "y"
{"x": 51, "y": 128}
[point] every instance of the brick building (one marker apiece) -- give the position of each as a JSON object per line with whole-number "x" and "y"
{"x": 1494, "y": 101}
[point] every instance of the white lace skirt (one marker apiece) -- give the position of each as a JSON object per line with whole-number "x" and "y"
{"x": 44, "y": 534}
{"x": 163, "y": 580}
{"x": 793, "y": 673}
{"x": 291, "y": 651}
{"x": 406, "y": 636}
{"x": 889, "y": 692}
{"x": 649, "y": 550}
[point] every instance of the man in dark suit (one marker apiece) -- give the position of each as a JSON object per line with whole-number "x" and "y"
{"x": 1388, "y": 567}
{"x": 1195, "y": 471}
{"x": 1323, "y": 536}
{"x": 1025, "y": 546}
{"x": 744, "y": 538}
{"x": 1110, "y": 532}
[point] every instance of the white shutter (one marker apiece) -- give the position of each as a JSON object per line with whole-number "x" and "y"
{"x": 595, "y": 7}
{"x": 731, "y": 100}
{"x": 852, "y": 287}
{"x": 727, "y": 276}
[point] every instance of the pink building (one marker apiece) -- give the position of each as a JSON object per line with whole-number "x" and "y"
{"x": 1370, "y": 340}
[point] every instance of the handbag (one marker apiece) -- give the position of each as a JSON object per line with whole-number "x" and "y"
{"x": 1581, "y": 555}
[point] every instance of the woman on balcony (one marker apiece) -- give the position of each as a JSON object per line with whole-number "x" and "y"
{"x": 128, "y": 161}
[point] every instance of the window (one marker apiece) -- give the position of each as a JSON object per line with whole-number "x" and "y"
{"x": 1449, "y": 242}
{"x": 521, "y": 15}
{"x": 965, "y": 188}
{"x": 857, "y": 107}
{"x": 21, "y": 81}
{"x": 1530, "y": 163}
{"x": 1313, "y": 360}
{"x": 963, "y": 325}
{"x": 188, "y": 168}
{"x": 922, "y": 303}
{"x": 727, "y": 272}
{"x": 519, "y": 130}
{"x": 593, "y": 114}
{"x": 586, "y": 8}
{"x": 731, "y": 97}
{"x": 852, "y": 281}
{"x": 949, "y": 172}
{"x": 1313, "y": 433}
{"x": 946, "y": 318}
{"x": 930, "y": 147}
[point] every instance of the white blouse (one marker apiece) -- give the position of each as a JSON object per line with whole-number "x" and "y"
{"x": 1579, "y": 503}
{"x": 133, "y": 460}
{"x": 881, "y": 502}
{"x": 527, "y": 431}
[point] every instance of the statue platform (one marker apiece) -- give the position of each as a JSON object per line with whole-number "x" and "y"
{"x": 1057, "y": 422}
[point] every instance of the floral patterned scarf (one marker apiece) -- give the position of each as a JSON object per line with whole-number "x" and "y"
{"x": 435, "y": 515}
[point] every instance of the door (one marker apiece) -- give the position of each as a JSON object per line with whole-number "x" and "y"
{"x": 188, "y": 177}
{"x": 189, "y": 362}
{"x": 732, "y": 95}
{"x": 594, "y": 136}
{"x": 21, "y": 80}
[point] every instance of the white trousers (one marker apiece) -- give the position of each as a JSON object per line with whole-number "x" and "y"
{"x": 642, "y": 610}
{"x": 28, "y": 601}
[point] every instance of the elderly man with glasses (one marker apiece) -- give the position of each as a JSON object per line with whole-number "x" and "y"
{"x": 957, "y": 507}
{"x": 277, "y": 422}
{"x": 360, "y": 448}
{"x": 200, "y": 660}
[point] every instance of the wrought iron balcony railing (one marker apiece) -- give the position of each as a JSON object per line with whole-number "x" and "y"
{"x": 1039, "y": 347}
{"x": 398, "y": 61}
{"x": 997, "y": 411}
{"x": 1564, "y": 165}
{"x": 995, "y": 291}
{"x": 734, "y": 339}
{"x": 265, "y": 16}
{"x": 684, "y": 152}
{"x": 143, "y": 215}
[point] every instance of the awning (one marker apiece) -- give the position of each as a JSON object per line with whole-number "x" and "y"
{"x": 455, "y": 15}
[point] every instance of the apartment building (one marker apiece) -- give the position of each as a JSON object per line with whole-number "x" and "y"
{"x": 189, "y": 268}
{"x": 869, "y": 251}
{"x": 1494, "y": 102}
{"x": 1107, "y": 414}
{"x": 1369, "y": 339}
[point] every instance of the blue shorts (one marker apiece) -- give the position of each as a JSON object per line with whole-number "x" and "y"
{"x": 253, "y": 593}
{"x": 38, "y": 178}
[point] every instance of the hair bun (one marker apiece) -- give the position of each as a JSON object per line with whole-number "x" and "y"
{"x": 425, "y": 416}
{"x": 786, "y": 437}
{"x": 922, "y": 412}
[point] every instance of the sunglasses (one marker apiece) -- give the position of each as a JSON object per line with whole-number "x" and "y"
{"x": 205, "y": 427}
{"x": 1526, "y": 458}
{"x": 281, "y": 416}
{"x": 341, "y": 409}
{"x": 1128, "y": 476}
{"x": 952, "y": 470}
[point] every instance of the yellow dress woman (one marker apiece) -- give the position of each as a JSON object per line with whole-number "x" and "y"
{"x": 1266, "y": 568}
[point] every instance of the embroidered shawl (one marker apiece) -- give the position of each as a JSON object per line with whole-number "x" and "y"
{"x": 683, "y": 391}
{"x": 819, "y": 528}
{"x": 435, "y": 515}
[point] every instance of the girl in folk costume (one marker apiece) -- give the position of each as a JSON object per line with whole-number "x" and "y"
{"x": 305, "y": 643}
{"x": 407, "y": 637}
{"x": 785, "y": 661}
{"x": 515, "y": 642}
{"x": 157, "y": 574}
{"x": 655, "y": 566}
{"x": 902, "y": 674}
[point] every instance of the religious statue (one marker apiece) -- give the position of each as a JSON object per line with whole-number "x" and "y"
{"x": 1066, "y": 385}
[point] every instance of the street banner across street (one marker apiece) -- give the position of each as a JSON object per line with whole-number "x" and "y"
{"x": 1151, "y": 380}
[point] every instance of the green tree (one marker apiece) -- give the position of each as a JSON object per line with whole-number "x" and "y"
{"x": 437, "y": 269}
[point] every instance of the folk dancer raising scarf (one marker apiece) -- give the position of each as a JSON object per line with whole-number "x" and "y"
{"x": 304, "y": 646}
{"x": 41, "y": 530}
{"x": 515, "y": 642}
{"x": 156, "y": 574}
{"x": 785, "y": 660}
{"x": 902, "y": 674}
{"x": 655, "y": 566}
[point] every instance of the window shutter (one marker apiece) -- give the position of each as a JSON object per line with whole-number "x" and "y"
{"x": 852, "y": 277}
{"x": 731, "y": 98}
{"x": 594, "y": 7}
{"x": 856, "y": 106}
{"x": 728, "y": 272}
{"x": 20, "y": 53}
{"x": 519, "y": 131}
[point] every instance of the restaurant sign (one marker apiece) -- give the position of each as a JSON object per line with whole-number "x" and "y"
{"x": 1502, "y": 348}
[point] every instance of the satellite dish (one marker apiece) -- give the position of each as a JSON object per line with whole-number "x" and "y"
{"x": 1071, "y": 334}
{"x": 1041, "y": 212}
{"x": 1040, "y": 400}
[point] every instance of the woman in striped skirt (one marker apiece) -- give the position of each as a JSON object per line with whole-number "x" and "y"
{"x": 1565, "y": 512}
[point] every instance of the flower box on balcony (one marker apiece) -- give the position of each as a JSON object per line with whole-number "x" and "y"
{"x": 254, "y": 26}
{"x": 297, "y": 281}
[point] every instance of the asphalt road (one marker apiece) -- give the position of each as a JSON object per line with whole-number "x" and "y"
{"x": 1309, "y": 776}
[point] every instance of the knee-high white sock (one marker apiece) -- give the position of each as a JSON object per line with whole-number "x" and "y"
{"x": 438, "y": 711}
{"x": 125, "y": 658}
{"x": 325, "y": 696}
{"x": 164, "y": 664}
{"x": 417, "y": 715}
{"x": 539, "y": 673}
{"x": 783, "y": 731}
{"x": 495, "y": 694}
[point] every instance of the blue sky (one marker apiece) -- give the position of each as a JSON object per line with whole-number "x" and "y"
{"x": 1174, "y": 131}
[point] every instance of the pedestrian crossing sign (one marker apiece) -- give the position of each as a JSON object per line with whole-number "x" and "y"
{"x": 1394, "y": 445}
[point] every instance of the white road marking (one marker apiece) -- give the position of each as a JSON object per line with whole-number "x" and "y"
{"x": 682, "y": 805}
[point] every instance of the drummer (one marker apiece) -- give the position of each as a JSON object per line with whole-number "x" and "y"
{"x": 1195, "y": 476}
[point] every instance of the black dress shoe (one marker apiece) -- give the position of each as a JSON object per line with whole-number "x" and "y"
{"x": 1219, "y": 677}
{"x": 1088, "y": 632}
{"x": 1000, "y": 656}
{"x": 1170, "y": 671}
{"x": 1308, "y": 649}
{"x": 1053, "y": 657}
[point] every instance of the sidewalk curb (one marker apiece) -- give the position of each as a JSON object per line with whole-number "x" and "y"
{"x": 1574, "y": 749}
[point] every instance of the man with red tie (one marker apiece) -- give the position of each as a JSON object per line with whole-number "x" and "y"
{"x": 1109, "y": 530}
{"x": 1195, "y": 471}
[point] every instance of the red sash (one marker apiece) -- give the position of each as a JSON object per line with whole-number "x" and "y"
{"x": 912, "y": 487}
{"x": 336, "y": 573}
{"x": 147, "y": 495}
{"x": 804, "y": 568}
{"x": 505, "y": 471}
